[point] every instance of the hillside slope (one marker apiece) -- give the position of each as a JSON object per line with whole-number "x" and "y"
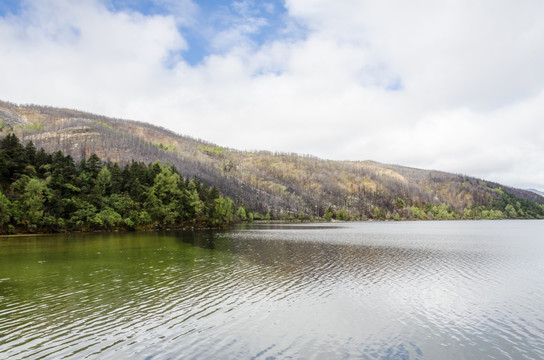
{"x": 284, "y": 185}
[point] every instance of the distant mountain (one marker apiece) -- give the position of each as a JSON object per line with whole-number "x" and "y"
{"x": 284, "y": 185}
{"x": 536, "y": 191}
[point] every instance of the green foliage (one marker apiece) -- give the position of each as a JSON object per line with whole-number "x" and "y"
{"x": 5, "y": 212}
{"x": 342, "y": 215}
{"x": 196, "y": 206}
{"x": 34, "y": 127}
{"x": 496, "y": 215}
{"x": 212, "y": 150}
{"x": 491, "y": 214}
{"x": 82, "y": 217}
{"x": 107, "y": 219}
{"x": 510, "y": 211}
{"x": 287, "y": 216}
{"x": 93, "y": 166}
{"x": 30, "y": 206}
{"x": 441, "y": 212}
{"x": 165, "y": 147}
{"x": 418, "y": 213}
{"x": 260, "y": 217}
{"x": 301, "y": 216}
{"x": 13, "y": 160}
{"x": 241, "y": 213}
{"x": 49, "y": 193}
{"x": 523, "y": 208}
{"x": 122, "y": 203}
{"x": 224, "y": 210}
{"x": 377, "y": 213}
{"x": 328, "y": 215}
{"x": 103, "y": 182}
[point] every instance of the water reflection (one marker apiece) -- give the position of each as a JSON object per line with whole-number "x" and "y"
{"x": 371, "y": 291}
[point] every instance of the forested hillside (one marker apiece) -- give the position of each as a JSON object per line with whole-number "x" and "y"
{"x": 41, "y": 192}
{"x": 283, "y": 186}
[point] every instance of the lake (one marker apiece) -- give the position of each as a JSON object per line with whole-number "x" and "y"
{"x": 372, "y": 290}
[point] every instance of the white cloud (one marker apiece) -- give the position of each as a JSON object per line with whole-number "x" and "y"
{"x": 455, "y": 85}
{"x": 79, "y": 54}
{"x": 233, "y": 25}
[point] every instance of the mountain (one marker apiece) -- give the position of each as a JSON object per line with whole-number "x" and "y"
{"x": 538, "y": 192}
{"x": 283, "y": 185}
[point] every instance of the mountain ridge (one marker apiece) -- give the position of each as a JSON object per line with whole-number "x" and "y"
{"x": 285, "y": 185}
{"x": 538, "y": 192}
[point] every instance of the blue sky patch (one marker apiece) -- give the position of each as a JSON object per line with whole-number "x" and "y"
{"x": 395, "y": 85}
{"x": 250, "y": 22}
{"x": 8, "y": 7}
{"x": 145, "y": 7}
{"x": 246, "y": 21}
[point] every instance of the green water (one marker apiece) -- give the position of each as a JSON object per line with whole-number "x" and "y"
{"x": 70, "y": 294}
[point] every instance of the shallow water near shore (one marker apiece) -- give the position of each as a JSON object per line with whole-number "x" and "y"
{"x": 403, "y": 290}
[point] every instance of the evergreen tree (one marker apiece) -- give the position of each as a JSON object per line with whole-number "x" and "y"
{"x": 30, "y": 151}
{"x": 93, "y": 166}
{"x": 13, "y": 159}
{"x": 48, "y": 192}
{"x": 116, "y": 178}
{"x": 5, "y": 211}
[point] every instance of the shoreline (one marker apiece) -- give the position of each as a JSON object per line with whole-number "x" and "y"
{"x": 257, "y": 222}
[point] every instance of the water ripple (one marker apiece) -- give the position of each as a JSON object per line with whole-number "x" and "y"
{"x": 369, "y": 291}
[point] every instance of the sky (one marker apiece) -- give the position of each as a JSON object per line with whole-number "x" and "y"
{"x": 448, "y": 85}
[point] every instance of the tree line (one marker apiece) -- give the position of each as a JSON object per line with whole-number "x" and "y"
{"x": 50, "y": 192}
